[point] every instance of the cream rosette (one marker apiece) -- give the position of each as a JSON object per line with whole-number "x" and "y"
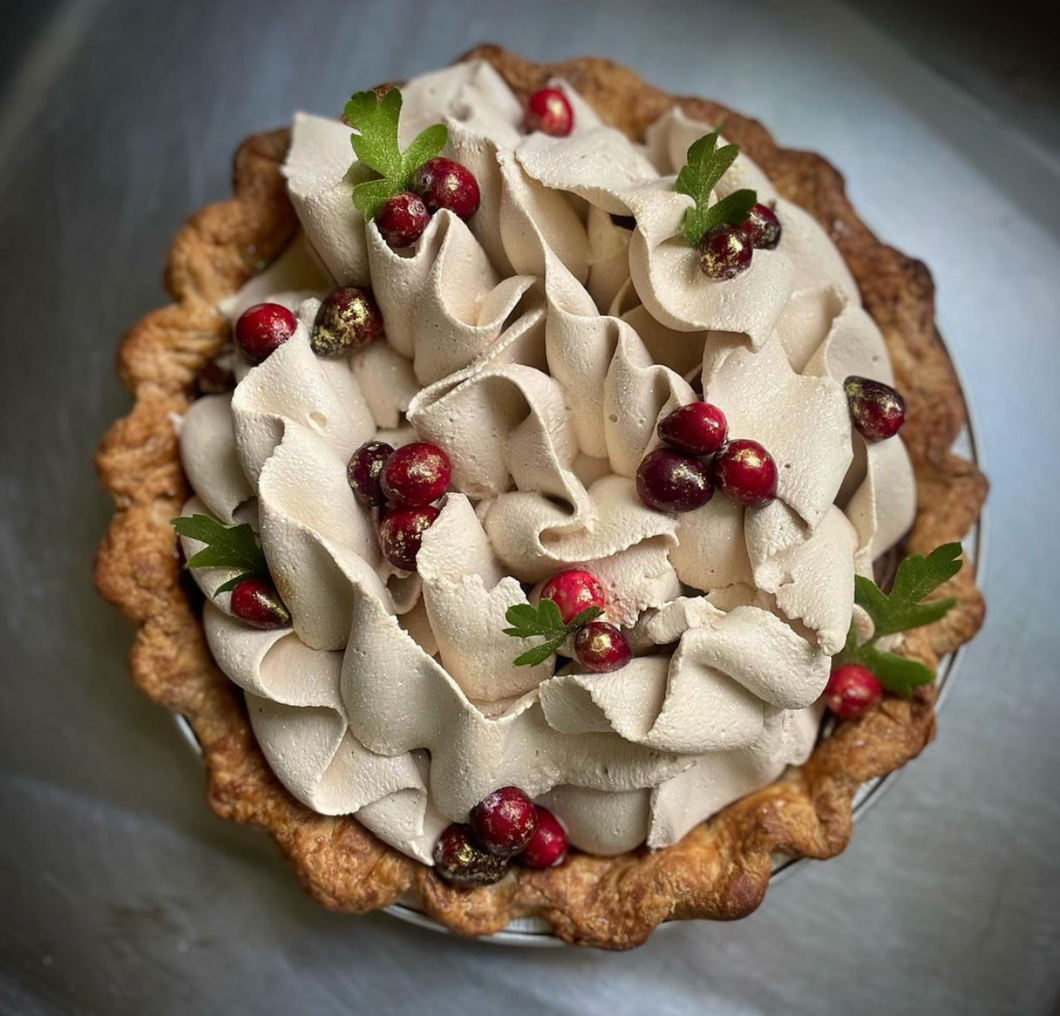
{"x": 539, "y": 344}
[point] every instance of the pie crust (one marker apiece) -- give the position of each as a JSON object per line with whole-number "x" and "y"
{"x": 719, "y": 870}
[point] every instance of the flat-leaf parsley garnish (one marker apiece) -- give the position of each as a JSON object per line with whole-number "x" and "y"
{"x": 375, "y": 143}
{"x": 528, "y": 621}
{"x": 705, "y": 165}
{"x": 226, "y": 547}
{"x": 900, "y": 610}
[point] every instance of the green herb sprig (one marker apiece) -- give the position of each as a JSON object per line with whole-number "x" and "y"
{"x": 528, "y": 621}
{"x": 705, "y": 165}
{"x": 375, "y": 143}
{"x": 226, "y": 547}
{"x": 901, "y": 610}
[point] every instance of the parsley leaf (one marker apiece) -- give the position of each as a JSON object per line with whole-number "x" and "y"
{"x": 528, "y": 621}
{"x": 705, "y": 165}
{"x": 917, "y": 577}
{"x": 375, "y": 143}
{"x": 226, "y": 547}
{"x": 532, "y": 657}
{"x": 901, "y": 610}
{"x": 897, "y": 674}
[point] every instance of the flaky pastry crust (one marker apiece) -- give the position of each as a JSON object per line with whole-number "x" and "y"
{"x": 719, "y": 870}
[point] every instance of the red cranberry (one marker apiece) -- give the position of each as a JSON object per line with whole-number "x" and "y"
{"x": 549, "y": 110}
{"x": 548, "y": 845}
{"x": 348, "y": 320}
{"x": 878, "y": 411}
{"x": 746, "y": 472}
{"x": 601, "y": 647}
{"x": 262, "y": 329}
{"x": 762, "y": 227}
{"x": 443, "y": 183}
{"x": 504, "y": 821}
{"x": 257, "y": 602}
{"x": 698, "y": 428}
{"x": 573, "y": 591}
{"x": 401, "y": 532}
{"x": 458, "y": 859}
{"x": 669, "y": 482}
{"x": 363, "y": 472}
{"x": 402, "y": 220}
{"x": 415, "y": 474}
{"x": 724, "y": 251}
{"x": 852, "y": 690}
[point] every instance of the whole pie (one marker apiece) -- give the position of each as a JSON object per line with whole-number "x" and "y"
{"x": 535, "y": 442}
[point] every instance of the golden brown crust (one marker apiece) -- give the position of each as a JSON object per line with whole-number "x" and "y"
{"x": 719, "y": 870}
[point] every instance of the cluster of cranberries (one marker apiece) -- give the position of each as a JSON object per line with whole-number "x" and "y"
{"x": 682, "y": 476}
{"x": 599, "y": 647}
{"x": 504, "y": 824}
{"x": 443, "y": 183}
{"x": 438, "y": 183}
{"x": 348, "y": 319}
{"x": 403, "y": 484}
{"x": 726, "y": 249}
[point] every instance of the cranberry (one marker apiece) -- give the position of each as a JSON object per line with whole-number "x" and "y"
{"x": 348, "y": 320}
{"x": 762, "y": 227}
{"x": 698, "y": 428}
{"x": 257, "y": 602}
{"x": 363, "y": 472}
{"x": 746, "y": 472}
{"x": 401, "y": 532}
{"x": 601, "y": 647}
{"x": 573, "y": 591}
{"x": 724, "y": 251}
{"x": 878, "y": 411}
{"x": 548, "y": 845}
{"x": 415, "y": 474}
{"x": 852, "y": 690}
{"x": 458, "y": 859}
{"x": 504, "y": 821}
{"x": 549, "y": 110}
{"x": 402, "y": 220}
{"x": 669, "y": 482}
{"x": 443, "y": 183}
{"x": 262, "y": 329}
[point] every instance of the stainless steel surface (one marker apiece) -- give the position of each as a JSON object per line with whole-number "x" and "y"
{"x": 121, "y": 893}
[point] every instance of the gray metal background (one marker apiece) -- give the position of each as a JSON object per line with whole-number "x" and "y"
{"x": 121, "y": 893}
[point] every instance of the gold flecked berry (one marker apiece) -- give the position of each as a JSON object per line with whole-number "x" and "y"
{"x": 347, "y": 320}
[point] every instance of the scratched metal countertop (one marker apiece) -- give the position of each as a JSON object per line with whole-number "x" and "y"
{"x": 121, "y": 893}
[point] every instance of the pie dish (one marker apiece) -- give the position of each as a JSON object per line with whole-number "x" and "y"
{"x": 538, "y": 343}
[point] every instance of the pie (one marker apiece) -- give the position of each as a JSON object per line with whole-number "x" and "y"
{"x": 532, "y": 471}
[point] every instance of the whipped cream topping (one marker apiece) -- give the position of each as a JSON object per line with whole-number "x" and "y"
{"x": 539, "y": 344}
